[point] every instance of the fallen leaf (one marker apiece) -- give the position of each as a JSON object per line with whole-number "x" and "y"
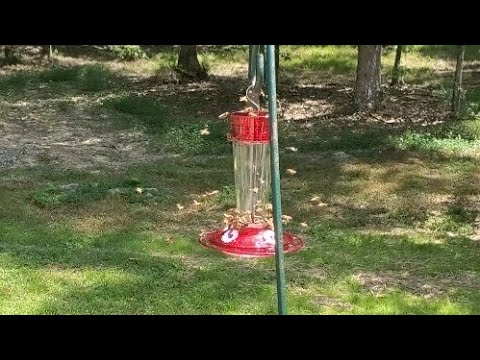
{"x": 214, "y": 192}
{"x": 138, "y": 190}
{"x": 322, "y": 204}
{"x": 180, "y": 207}
{"x": 286, "y": 218}
{"x": 304, "y": 225}
{"x": 204, "y": 132}
{"x": 243, "y": 99}
{"x": 292, "y": 149}
{"x": 255, "y": 190}
{"x": 224, "y": 115}
{"x": 196, "y": 203}
{"x": 291, "y": 172}
{"x": 315, "y": 198}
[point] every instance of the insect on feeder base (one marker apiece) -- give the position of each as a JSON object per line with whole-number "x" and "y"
{"x": 250, "y": 237}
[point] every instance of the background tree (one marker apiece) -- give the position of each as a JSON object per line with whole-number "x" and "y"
{"x": 47, "y": 51}
{"x": 369, "y": 77}
{"x": 188, "y": 64}
{"x": 457, "y": 83}
{"x": 10, "y": 56}
{"x": 277, "y": 61}
{"x": 397, "y": 73}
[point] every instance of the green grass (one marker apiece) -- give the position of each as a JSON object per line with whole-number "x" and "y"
{"x": 133, "y": 190}
{"x": 89, "y": 78}
{"x": 229, "y": 55}
{"x": 446, "y": 51}
{"x": 327, "y": 58}
{"x": 101, "y": 254}
{"x": 429, "y": 142}
{"x": 174, "y": 134}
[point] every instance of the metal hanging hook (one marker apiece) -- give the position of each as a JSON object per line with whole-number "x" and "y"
{"x": 257, "y": 105}
{"x": 257, "y": 74}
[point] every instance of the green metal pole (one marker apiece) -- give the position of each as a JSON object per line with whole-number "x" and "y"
{"x": 275, "y": 164}
{"x": 260, "y": 73}
{"x": 252, "y": 62}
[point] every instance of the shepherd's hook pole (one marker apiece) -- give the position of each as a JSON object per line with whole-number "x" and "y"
{"x": 275, "y": 164}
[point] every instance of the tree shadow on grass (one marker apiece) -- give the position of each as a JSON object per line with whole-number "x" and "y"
{"x": 98, "y": 53}
{"x": 82, "y": 78}
{"x": 190, "y": 280}
{"x": 187, "y": 280}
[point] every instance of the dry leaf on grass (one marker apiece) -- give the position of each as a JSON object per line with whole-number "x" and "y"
{"x": 169, "y": 239}
{"x": 223, "y": 116}
{"x": 180, "y": 207}
{"x": 214, "y": 192}
{"x": 204, "y": 132}
{"x": 291, "y": 172}
{"x": 292, "y": 149}
{"x": 286, "y": 218}
{"x": 303, "y": 224}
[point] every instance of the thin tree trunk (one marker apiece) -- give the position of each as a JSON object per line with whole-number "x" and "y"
{"x": 188, "y": 64}
{"x": 369, "y": 77}
{"x": 277, "y": 62}
{"x": 397, "y": 73}
{"x": 250, "y": 70}
{"x": 457, "y": 84}
{"x": 47, "y": 51}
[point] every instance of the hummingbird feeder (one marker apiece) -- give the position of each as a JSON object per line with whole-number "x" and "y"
{"x": 250, "y": 229}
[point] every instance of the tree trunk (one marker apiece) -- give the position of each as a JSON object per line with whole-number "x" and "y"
{"x": 10, "y": 57}
{"x": 457, "y": 84}
{"x": 188, "y": 64}
{"x": 277, "y": 62}
{"x": 397, "y": 73}
{"x": 250, "y": 70}
{"x": 369, "y": 77}
{"x": 47, "y": 51}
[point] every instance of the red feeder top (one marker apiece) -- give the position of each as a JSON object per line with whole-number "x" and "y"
{"x": 248, "y": 127}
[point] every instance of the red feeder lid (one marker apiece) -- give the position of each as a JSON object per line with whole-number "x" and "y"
{"x": 246, "y": 127}
{"x": 249, "y": 241}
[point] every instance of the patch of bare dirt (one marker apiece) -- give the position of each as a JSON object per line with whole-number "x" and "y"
{"x": 31, "y": 134}
{"x": 331, "y": 105}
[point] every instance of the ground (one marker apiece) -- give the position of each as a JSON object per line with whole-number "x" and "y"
{"x": 105, "y": 174}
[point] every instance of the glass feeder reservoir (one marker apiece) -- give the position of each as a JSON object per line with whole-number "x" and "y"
{"x": 249, "y": 230}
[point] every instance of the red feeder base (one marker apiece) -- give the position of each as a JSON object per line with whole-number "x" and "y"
{"x": 249, "y": 241}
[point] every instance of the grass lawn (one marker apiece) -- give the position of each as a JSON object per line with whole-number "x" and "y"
{"x": 396, "y": 229}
